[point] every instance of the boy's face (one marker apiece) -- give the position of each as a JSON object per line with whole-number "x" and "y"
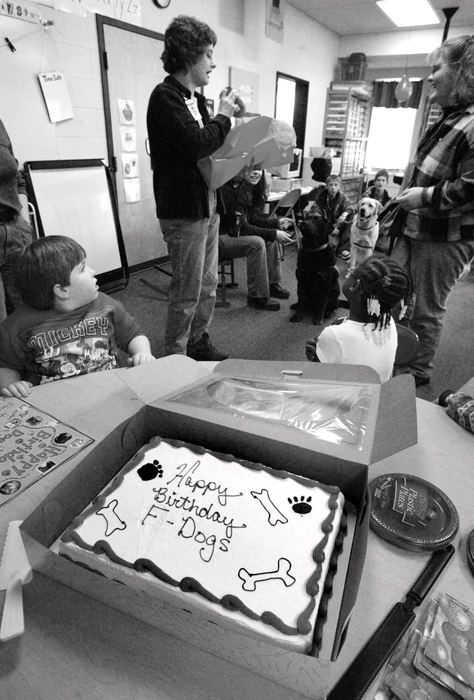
{"x": 82, "y": 286}
{"x": 333, "y": 188}
{"x": 380, "y": 182}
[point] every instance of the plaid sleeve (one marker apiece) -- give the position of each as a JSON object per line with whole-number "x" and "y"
{"x": 453, "y": 194}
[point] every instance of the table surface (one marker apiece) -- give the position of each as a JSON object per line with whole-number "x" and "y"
{"x": 74, "y": 646}
{"x": 274, "y": 196}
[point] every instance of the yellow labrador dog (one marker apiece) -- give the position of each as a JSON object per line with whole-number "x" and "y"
{"x": 364, "y": 230}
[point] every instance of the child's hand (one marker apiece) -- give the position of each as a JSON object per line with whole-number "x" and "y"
{"x": 17, "y": 390}
{"x": 311, "y": 350}
{"x": 342, "y": 219}
{"x": 140, "y": 358}
{"x": 333, "y": 238}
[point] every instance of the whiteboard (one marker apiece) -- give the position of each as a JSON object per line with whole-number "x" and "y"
{"x": 75, "y": 198}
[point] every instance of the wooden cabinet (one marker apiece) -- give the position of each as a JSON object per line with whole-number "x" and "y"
{"x": 346, "y": 128}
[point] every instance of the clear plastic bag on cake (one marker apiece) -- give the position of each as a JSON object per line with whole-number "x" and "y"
{"x": 335, "y": 413}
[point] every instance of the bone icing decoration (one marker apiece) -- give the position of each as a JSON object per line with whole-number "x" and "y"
{"x": 283, "y": 572}
{"x": 111, "y": 518}
{"x": 274, "y": 515}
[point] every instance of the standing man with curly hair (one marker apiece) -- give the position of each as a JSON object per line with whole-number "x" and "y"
{"x": 438, "y": 241}
{"x": 181, "y": 132}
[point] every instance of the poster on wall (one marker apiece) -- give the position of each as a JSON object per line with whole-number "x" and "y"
{"x": 56, "y": 96}
{"x": 274, "y": 19}
{"x": 128, "y": 138}
{"x": 130, "y": 11}
{"x": 126, "y": 111}
{"x": 130, "y": 164}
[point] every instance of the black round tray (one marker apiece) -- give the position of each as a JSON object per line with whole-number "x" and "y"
{"x": 411, "y": 513}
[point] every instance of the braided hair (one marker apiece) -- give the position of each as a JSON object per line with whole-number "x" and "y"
{"x": 382, "y": 284}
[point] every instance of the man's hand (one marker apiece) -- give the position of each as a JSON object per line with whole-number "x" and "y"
{"x": 17, "y": 390}
{"x": 414, "y": 198}
{"x": 283, "y": 238}
{"x": 286, "y": 224}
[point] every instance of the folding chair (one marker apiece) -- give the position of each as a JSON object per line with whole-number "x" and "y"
{"x": 407, "y": 347}
{"x": 286, "y": 207}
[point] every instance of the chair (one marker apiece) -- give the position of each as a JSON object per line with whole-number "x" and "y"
{"x": 286, "y": 207}
{"x": 226, "y": 270}
{"x": 407, "y": 347}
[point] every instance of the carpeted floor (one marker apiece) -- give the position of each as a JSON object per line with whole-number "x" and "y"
{"x": 263, "y": 335}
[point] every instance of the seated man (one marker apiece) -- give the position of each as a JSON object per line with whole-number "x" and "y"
{"x": 246, "y": 231}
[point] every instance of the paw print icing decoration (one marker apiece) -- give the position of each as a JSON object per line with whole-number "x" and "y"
{"x": 150, "y": 471}
{"x": 300, "y": 505}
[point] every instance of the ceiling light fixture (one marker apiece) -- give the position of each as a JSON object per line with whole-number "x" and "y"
{"x": 409, "y": 13}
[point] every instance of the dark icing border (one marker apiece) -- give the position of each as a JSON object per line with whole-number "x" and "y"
{"x": 188, "y": 584}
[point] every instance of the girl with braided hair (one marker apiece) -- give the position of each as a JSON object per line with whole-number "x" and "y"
{"x": 368, "y": 336}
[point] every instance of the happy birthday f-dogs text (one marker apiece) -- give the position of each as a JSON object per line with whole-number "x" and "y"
{"x": 193, "y": 527}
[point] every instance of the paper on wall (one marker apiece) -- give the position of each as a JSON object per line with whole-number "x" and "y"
{"x": 56, "y": 96}
{"x": 130, "y": 164}
{"x": 128, "y": 138}
{"x": 131, "y": 188}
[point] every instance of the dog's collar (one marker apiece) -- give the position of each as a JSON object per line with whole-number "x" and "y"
{"x": 321, "y": 247}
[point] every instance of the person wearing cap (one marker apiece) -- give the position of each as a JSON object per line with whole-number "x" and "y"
{"x": 437, "y": 244}
{"x": 180, "y": 133}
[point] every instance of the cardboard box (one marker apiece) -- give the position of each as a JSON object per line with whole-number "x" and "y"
{"x": 390, "y": 426}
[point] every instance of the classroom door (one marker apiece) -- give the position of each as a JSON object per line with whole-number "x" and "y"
{"x": 291, "y": 104}
{"x": 131, "y": 67}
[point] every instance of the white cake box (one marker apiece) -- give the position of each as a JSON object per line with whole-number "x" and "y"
{"x": 132, "y": 418}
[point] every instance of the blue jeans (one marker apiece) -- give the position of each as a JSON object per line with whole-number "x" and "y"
{"x": 434, "y": 268}
{"x": 263, "y": 261}
{"x": 192, "y": 247}
{"x": 15, "y": 235}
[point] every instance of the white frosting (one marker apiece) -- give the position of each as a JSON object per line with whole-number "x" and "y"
{"x": 235, "y": 529}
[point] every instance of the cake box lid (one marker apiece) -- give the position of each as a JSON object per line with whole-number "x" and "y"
{"x": 383, "y": 404}
{"x": 411, "y": 513}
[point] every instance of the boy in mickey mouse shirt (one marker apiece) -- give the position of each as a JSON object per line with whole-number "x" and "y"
{"x": 66, "y": 327}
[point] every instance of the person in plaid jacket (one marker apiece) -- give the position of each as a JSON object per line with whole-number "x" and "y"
{"x": 437, "y": 244}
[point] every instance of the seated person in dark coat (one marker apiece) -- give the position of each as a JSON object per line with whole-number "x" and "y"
{"x": 247, "y": 231}
{"x": 334, "y": 207}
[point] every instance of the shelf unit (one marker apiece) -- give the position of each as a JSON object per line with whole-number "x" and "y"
{"x": 346, "y": 128}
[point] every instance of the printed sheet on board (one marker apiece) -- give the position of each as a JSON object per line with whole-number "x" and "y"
{"x": 32, "y": 443}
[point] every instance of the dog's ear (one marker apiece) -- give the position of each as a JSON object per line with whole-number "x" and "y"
{"x": 379, "y": 207}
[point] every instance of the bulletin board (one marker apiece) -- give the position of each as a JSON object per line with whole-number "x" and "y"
{"x": 75, "y": 198}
